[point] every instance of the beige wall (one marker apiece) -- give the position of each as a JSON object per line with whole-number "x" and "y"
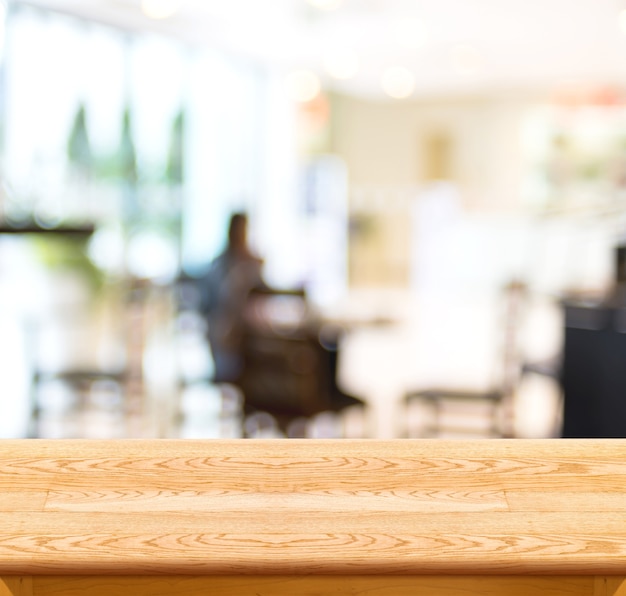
{"x": 390, "y": 147}
{"x": 386, "y": 144}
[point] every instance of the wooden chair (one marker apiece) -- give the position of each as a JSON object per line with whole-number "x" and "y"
{"x": 289, "y": 370}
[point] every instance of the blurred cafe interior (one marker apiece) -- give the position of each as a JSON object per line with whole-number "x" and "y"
{"x": 436, "y": 188}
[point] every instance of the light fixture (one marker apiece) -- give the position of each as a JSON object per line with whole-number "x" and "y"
{"x": 398, "y": 82}
{"x": 302, "y": 85}
{"x": 326, "y": 4}
{"x": 342, "y": 63}
{"x": 466, "y": 59}
{"x": 160, "y": 9}
{"x": 410, "y": 33}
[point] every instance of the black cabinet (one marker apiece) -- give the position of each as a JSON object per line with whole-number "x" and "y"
{"x": 593, "y": 374}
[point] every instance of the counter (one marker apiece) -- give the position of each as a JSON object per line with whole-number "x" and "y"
{"x": 273, "y": 517}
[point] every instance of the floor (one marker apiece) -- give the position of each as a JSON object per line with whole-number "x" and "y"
{"x": 382, "y": 359}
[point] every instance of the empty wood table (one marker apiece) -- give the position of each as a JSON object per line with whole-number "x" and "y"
{"x": 287, "y": 517}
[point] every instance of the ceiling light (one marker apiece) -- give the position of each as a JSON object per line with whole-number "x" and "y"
{"x": 303, "y": 85}
{"x": 342, "y": 64}
{"x": 466, "y": 59}
{"x": 326, "y": 4}
{"x": 410, "y": 33}
{"x": 160, "y": 9}
{"x": 398, "y": 82}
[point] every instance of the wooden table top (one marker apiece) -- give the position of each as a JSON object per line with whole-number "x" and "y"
{"x": 313, "y": 507}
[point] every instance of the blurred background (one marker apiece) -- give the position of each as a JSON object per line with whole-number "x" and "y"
{"x": 438, "y": 177}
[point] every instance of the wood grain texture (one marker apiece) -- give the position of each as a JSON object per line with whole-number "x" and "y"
{"x": 313, "y": 507}
{"x": 16, "y": 586}
{"x": 17, "y": 500}
{"x": 315, "y": 585}
{"x": 609, "y": 586}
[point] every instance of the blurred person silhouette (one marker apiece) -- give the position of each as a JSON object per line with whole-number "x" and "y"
{"x": 224, "y": 291}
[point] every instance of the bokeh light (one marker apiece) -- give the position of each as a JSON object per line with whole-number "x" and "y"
{"x": 303, "y": 85}
{"x": 326, "y": 4}
{"x": 398, "y": 82}
{"x": 160, "y": 9}
{"x": 342, "y": 64}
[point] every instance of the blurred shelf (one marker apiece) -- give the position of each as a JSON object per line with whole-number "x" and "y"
{"x": 31, "y": 228}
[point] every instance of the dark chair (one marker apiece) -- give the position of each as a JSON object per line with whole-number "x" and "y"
{"x": 289, "y": 361}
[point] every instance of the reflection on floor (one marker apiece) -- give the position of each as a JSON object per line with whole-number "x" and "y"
{"x": 205, "y": 411}
{"x": 176, "y": 400}
{"x": 192, "y": 407}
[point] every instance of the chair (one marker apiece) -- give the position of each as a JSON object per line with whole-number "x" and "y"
{"x": 69, "y": 359}
{"x": 495, "y": 399}
{"x": 289, "y": 361}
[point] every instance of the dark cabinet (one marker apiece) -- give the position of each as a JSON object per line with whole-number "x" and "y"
{"x": 593, "y": 374}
